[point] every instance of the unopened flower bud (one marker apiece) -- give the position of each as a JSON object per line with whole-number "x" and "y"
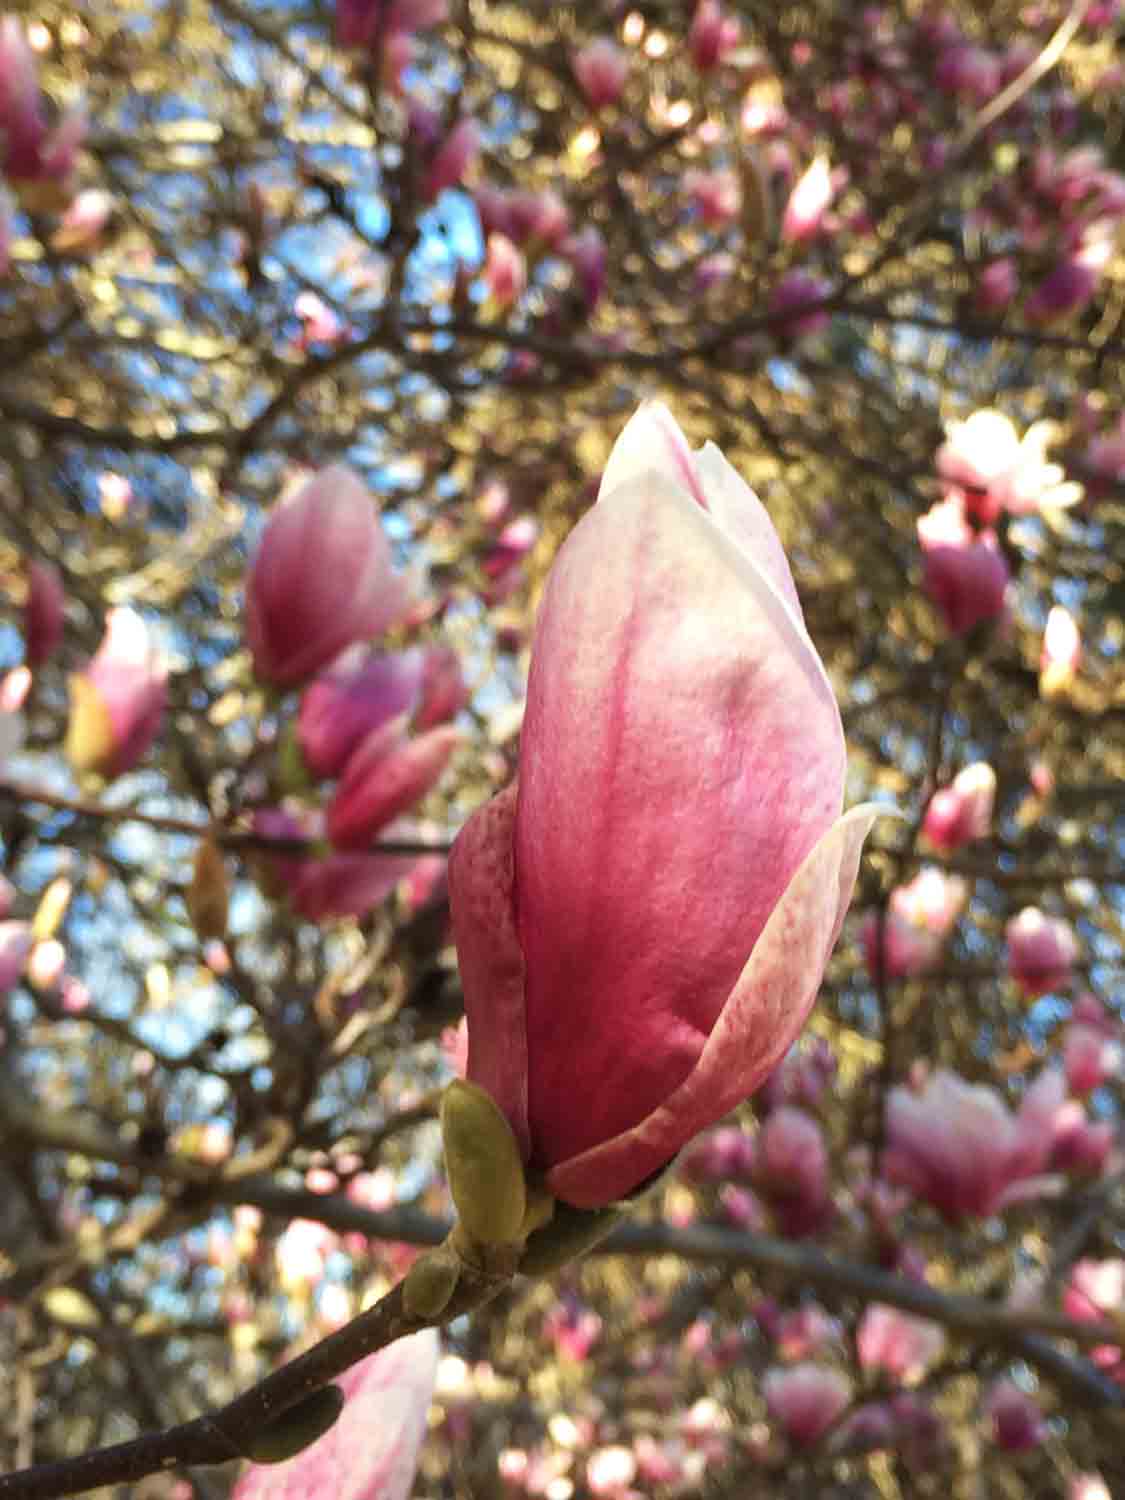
{"x": 483, "y": 1164}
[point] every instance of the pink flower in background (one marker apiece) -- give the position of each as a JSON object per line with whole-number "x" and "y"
{"x": 34, "y": 154}
{"x": 969, "y": 71}
{"x": 1095, "y": 1292}
{"x": 361, "y": 692}
{"x": 958, "y": 1147}
{"x": 573, "y": 1328}
{"x": 919, "y": 919}
{"x": 15, "y": 947}
{"x": 1061, "y": 652}
{"x": 44, "y": 613}
{"x": 452, "y": 159}
{"x": 359, "y": 22}
{"x": 385, "y": 776}
{"x": 805, "y": 1400}
{"x": 710, "y": 758}
{"x": 372, "y": 1450}
{"x": 601, "y": 69}
{"x": 444, "y": 691}
{"x": 526, "y": 216}
{"x": 962, "y": 812}
{"x": 117, "y": 702}
{"x": 802, "y": 1077}
{"x": 1071, "y": 285}
{"x": 1091, "y": 1053}
{"x": 611, "y": 1471}
{"x": 587, "y": 254}
{"x": 712, "y": 35}
{"x": 963, "y": 572}
{"x": 1088, "y": 1487}
{"x": 1041, "y": 952}
{"x": 997, "y": 285}
{"x": 115, "y": 495}
{"x": 1016, "y": 1420}
{"x": 1079, "y": 1143}
{"x": 320, "y": 579}
{"x": 989, "y": 468}
{"x": 505, "y": 271}
{"x": 897, "y": 1343}
{"x": 796, "y": 291}
{"x": 809, "y": 201}
{"x": 84, "y": 222}
{"x": 791, "y": 1172}
{"x": 323, "y": 889}
{"x": 715, "y": 197}
{"x": 320, "y": 325}
{"x": 726, "y": 1153}
{"x": 806, "y": 1330}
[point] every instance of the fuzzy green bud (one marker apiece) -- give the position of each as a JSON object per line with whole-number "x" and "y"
{"x": 430, "y": 1282}
{"x": 483, "y": 1164}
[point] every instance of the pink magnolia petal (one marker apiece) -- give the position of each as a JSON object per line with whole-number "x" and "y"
{"x": 372, "y": 1451}
{"x": 481, "y": 884}
{"x": 708, "y": 763}
{"x": 383, "y": 778}
{"x": 769, "y": 1006}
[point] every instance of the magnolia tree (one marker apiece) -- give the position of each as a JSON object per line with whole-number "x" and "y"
{"x": 560, "y": 749}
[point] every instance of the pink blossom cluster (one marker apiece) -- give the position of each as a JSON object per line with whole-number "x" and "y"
{"x": 918, "y": 921}
{"x": 958, "y": 1147}
{"x": 319, "y": 587}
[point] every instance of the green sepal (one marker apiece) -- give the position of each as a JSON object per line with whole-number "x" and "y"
{"x": 297, "y": 1428}
{"x": 569, "y": 1234}
{"x": 293, "y": 776}
{"x": 431, "y": 1282}
{"x": 483, "y": 1165}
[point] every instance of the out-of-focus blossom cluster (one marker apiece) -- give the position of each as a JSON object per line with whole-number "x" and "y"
{"x": 320, "y": 586}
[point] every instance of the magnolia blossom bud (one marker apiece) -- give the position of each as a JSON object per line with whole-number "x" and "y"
{"x": 712, "y": 35}
{"x": 1061, "y": 653}
{"x": 117, "y": 702}
{"x": 320, "y": 579}
{"x": 1041, "y": 952}
{"x": 358, "y": 694}
{"x": 997, "y": 285}
{"x": 1090, "y": 1057}
{"x": 962, "y": 812}
{"x": 505, "y": 271}
{"x": 452, "y": 159}
{"x": 443, "y": 692}
{"x": 903, "y": 1346}
{"x": 15, "y": 947}
{"x": 387, "y": 774}
{"x": 44, "y": 612}
{"x": 964, "y": 573}
{"x": 806, "y": 1400}
{"x": 808, "y": 203}
{"x": 601, "y": 69}
{"x": 796, "y": 291}
{"x": 1017, "y": 1422}
{"x": 679, "y": 732}
{"x": 959, "y": 1148}
{"x": 588, "y": 255}
{"x": 715, "y": 197}
{"x": 791, "y": 1171}
{"x": 84, "y": 222}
